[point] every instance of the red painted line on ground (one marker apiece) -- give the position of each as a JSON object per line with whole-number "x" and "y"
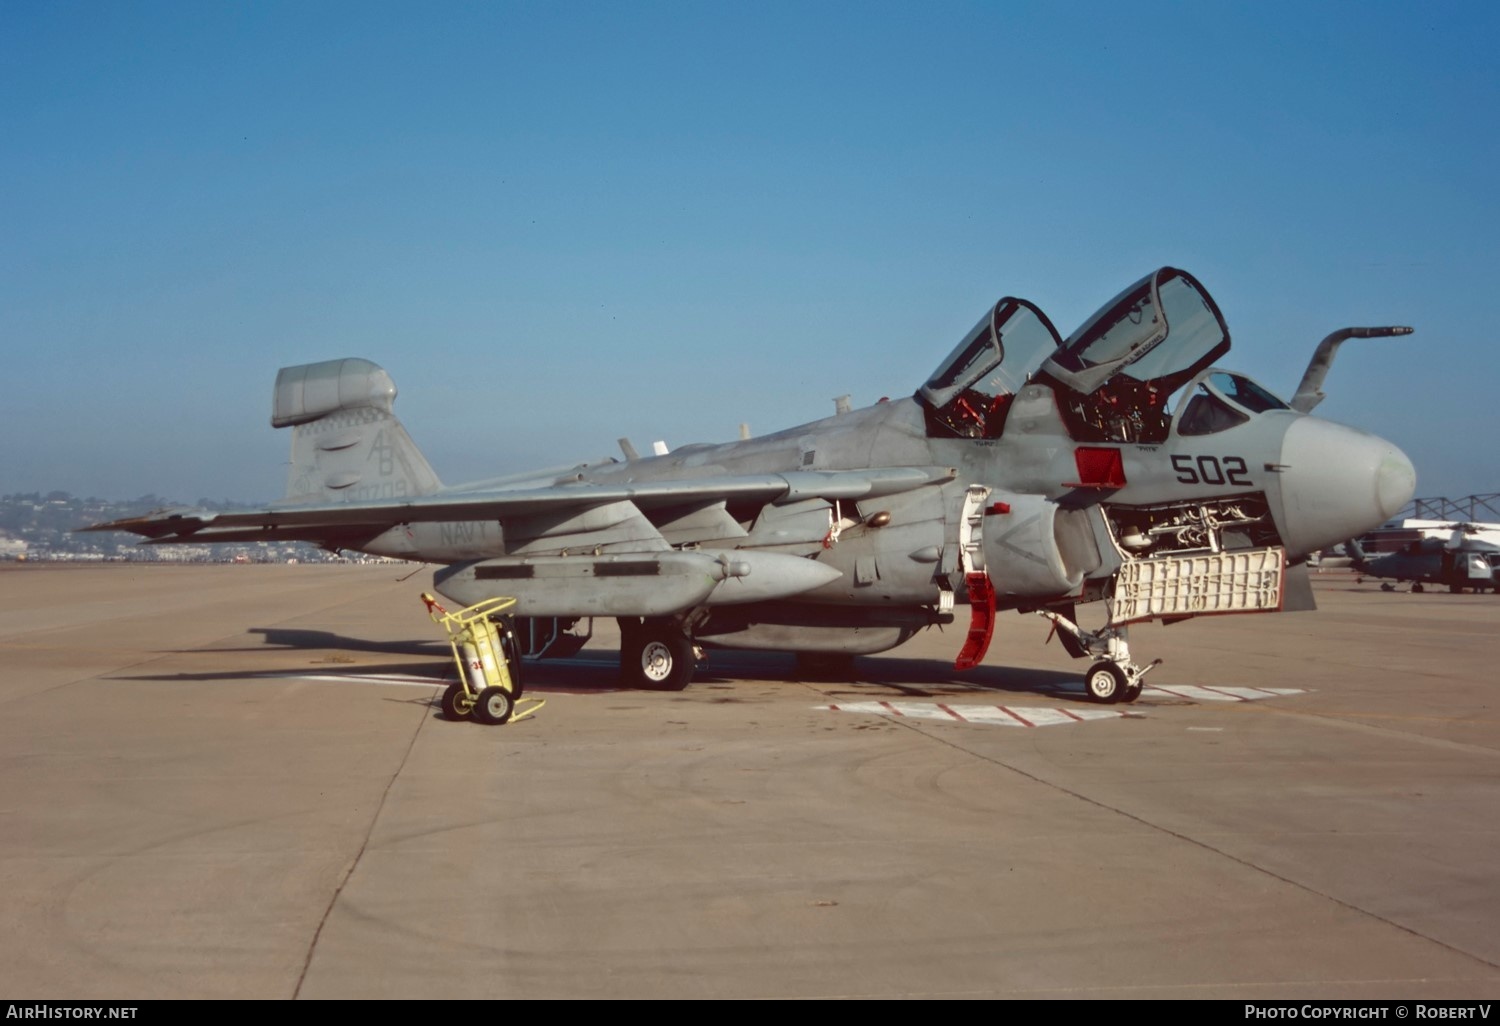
{"x": 1071, "y": 715}
{"x": 1175, "y": 694}
{"x": 950, "y": 712}
{"x": 1226, "y": 694}
{"x": 892, "y": 708}
{"x": 1023, "y": 721}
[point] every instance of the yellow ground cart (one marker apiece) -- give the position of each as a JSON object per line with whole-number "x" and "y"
{"x": 488, "y": 658}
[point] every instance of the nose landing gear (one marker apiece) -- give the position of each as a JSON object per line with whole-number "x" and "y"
{"x": 1113, "y": 678}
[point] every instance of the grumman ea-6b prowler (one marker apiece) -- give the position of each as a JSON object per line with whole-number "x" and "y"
{"x": 1028, "y": 473}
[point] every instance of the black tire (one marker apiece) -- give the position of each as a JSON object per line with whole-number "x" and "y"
{"x": 1105, "y": 683}
{"x": 1417, "y": 588}
{"x": 1132, "y": 692}
{"x": 658, "y": 658}
{"x": 512, "y": 649}
{"x": 456, "y": 704}
{"x": 510, "y": 646}
{"x": 1387, "y": 586}
{"x": 494, "y": 706}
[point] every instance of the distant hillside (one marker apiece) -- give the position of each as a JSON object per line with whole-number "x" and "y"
{"x": 34, "y": 525}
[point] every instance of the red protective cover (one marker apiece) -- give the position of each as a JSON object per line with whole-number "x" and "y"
{"x": 981, "y": 621}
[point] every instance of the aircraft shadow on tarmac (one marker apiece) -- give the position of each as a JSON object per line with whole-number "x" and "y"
{"x": 599, "y": 670}
{"x": 332, "y": 663}
{"x": 282, "y": 637}
{"x": 723, "y": 669}
{"x": 304, "y": 640}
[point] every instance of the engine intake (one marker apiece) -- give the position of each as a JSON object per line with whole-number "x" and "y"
{"x": 1034, "y": 547}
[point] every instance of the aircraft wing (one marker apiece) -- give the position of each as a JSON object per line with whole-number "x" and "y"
{"x": 329, "y": 523}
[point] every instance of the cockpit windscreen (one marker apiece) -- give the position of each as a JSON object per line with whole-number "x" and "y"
{"x": 1222, "y": 400}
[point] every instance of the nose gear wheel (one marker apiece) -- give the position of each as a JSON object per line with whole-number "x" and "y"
{"x": 1113, "y": 678}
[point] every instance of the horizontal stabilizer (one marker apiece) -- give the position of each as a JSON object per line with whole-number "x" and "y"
{"x": 312, "y": 391}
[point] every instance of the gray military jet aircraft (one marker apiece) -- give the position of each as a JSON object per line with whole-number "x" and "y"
{"x": 1028, "y": 473}
{"x": 1459, "y": 561}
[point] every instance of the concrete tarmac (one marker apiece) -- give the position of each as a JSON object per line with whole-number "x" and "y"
{"x": 233, "y": 782}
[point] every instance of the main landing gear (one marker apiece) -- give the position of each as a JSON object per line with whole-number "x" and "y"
{"x": 656, "y": 655}
{"x": 1113, "y": 678}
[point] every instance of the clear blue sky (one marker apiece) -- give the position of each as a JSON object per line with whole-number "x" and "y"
{"x": 560, "y": 223}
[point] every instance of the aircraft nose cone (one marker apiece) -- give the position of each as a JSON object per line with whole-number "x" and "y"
{"x": 1338, "y": 482}
{"x": 1395, "y": 482}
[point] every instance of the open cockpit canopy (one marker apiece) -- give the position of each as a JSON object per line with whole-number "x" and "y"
{"x": 1115, "y": 375}
{"x": 969, "y": 393}
{"x": 1163, "y": 329}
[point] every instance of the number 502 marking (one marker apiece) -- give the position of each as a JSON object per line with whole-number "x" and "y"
{"x": 1210, "y": 470}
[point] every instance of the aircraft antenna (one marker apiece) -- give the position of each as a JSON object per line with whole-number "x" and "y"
{"x": 1309, "y": 392}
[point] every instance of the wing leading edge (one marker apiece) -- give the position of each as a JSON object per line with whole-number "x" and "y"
{"x": 325, "y": 523}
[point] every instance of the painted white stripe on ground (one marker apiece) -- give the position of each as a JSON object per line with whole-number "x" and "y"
{"x": 992, "y": 715}
{"x": 1227, "y": 693}
{"x": 986, "y": 715}
{"x": 1102, "y": 713}
{"x": 1220, "y": 693}
{"x": 410, "y": 682}
{"x": 1244, "y": 694}
{"x": 1048, "y": 716}
{"x": 1176, "y": 692}
{"x": 1045, "y": 717}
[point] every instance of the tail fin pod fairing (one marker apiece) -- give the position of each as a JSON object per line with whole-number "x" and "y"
{"x": 347, "y": 445}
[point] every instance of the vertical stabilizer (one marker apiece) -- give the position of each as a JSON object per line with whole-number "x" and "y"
{"x": 347, "y": 445}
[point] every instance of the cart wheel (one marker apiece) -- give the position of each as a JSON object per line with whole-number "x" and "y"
{"x": 456, "y": 703}
{"x": 493, "y": 706}
{"x": 1105, "y": 682}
